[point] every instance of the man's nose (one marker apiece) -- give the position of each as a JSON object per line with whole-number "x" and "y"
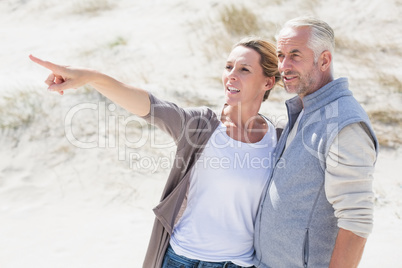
{"x": 284, "y": 64}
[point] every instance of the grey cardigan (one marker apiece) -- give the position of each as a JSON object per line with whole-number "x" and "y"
{"x": 191, "y": 129}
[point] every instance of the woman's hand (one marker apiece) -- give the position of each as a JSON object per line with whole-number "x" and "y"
{"x": 133, "y": 99}
{"x": 63, "y": 77}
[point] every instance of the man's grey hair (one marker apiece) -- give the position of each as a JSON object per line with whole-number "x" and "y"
{"x": 322, "y": 36}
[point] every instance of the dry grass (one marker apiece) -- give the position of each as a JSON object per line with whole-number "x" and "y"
{"x": 20, "y": 108}
{"x": 226, "y": 26}
{"x": 217, "y": 33}
{"x": 387, "y": 124}
{"x": 390, "y": 82}
{"x": 239, "y": 20}
{"x": 119, "y": 41}
{"x": 386, "y": 117}
{"x": 363, "y": 52}
{"x": 351, "y": 48}
{"x": 309, "y": 5}
{"x": 92, "y": 6}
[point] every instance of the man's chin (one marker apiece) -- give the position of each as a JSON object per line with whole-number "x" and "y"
{"x": 291, "y": 90}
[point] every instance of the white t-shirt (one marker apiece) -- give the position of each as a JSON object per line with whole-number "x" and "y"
{"x": 226, "y": 185}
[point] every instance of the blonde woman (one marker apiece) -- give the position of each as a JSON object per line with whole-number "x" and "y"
{"x": 207, "y": 210}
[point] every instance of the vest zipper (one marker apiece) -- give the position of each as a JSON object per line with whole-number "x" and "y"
{"x": 306, "y": 249}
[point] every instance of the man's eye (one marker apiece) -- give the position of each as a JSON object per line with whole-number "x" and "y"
{"x": 245, "y": 69}
{"x": 228, "y": 67}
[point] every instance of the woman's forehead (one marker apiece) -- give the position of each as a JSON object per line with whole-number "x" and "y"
{"x": 243, "y": 54}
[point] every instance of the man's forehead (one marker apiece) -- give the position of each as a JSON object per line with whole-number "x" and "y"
{"x": 293, "y": 37}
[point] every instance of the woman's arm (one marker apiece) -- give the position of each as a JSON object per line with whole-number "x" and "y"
{"x": 132, "y": 99}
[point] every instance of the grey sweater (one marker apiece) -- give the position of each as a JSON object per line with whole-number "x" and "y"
{"x": 297, "y": 224}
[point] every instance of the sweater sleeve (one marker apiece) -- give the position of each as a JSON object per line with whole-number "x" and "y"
{"x": 182, "y": 124}
{"x": 349, "y": 179}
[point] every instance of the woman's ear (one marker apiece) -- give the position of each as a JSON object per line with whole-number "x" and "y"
{"x": 269, "y": 83}
{"x": 325, "y": 60}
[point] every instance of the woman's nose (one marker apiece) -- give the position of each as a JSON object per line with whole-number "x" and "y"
{"x": 232, "y": 75}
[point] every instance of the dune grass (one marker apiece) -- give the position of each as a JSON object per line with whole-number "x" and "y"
{"x": 230, "y": 23}
{"x": 239, "y": 20}
{"x": 388, "y": 117}
{"x": 387, "y": 124}
{"x": 92, "y": 6}
{"x": 20, "y": 108}
{"x": 390, "y": 82}
{"x": 119, "y": 41}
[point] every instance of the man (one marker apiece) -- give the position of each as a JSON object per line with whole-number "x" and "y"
{"x": 318, "y": 207}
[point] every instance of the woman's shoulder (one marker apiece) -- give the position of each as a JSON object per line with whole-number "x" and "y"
{"x": 279, "y": 126}
{"x": 193, "y": 115}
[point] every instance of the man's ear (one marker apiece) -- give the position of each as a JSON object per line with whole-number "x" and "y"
{"x": 325, "y": 60}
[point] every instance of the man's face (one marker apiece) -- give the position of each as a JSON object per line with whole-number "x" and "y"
{"x": 300, "y": 74}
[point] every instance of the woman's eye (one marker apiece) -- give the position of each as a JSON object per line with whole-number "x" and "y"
{"x": 228, "y": 67}
{"x": 245, "y": 69}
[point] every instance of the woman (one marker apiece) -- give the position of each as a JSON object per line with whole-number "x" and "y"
{"x": 209, "y": 204}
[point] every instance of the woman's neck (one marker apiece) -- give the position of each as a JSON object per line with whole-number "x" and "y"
{"x": 244, "y": 123}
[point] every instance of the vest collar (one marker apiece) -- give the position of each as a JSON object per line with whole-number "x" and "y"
{"x": 327, "y": 94}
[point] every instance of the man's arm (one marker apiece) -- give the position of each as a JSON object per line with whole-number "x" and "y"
{"x": 348, "y": 186}
{"x": 348, "y": 250}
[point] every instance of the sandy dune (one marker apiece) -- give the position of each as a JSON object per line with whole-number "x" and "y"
{"x": 78, "y": 183}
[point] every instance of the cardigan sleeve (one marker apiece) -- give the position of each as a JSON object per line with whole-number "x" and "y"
{"x": 349, "y": 179}
{"x": 184, "y": 125}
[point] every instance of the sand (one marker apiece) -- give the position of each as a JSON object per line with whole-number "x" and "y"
{"x": 72, "y": 194}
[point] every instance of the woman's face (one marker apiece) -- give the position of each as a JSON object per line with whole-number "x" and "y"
{"x": 243, "y": 78}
